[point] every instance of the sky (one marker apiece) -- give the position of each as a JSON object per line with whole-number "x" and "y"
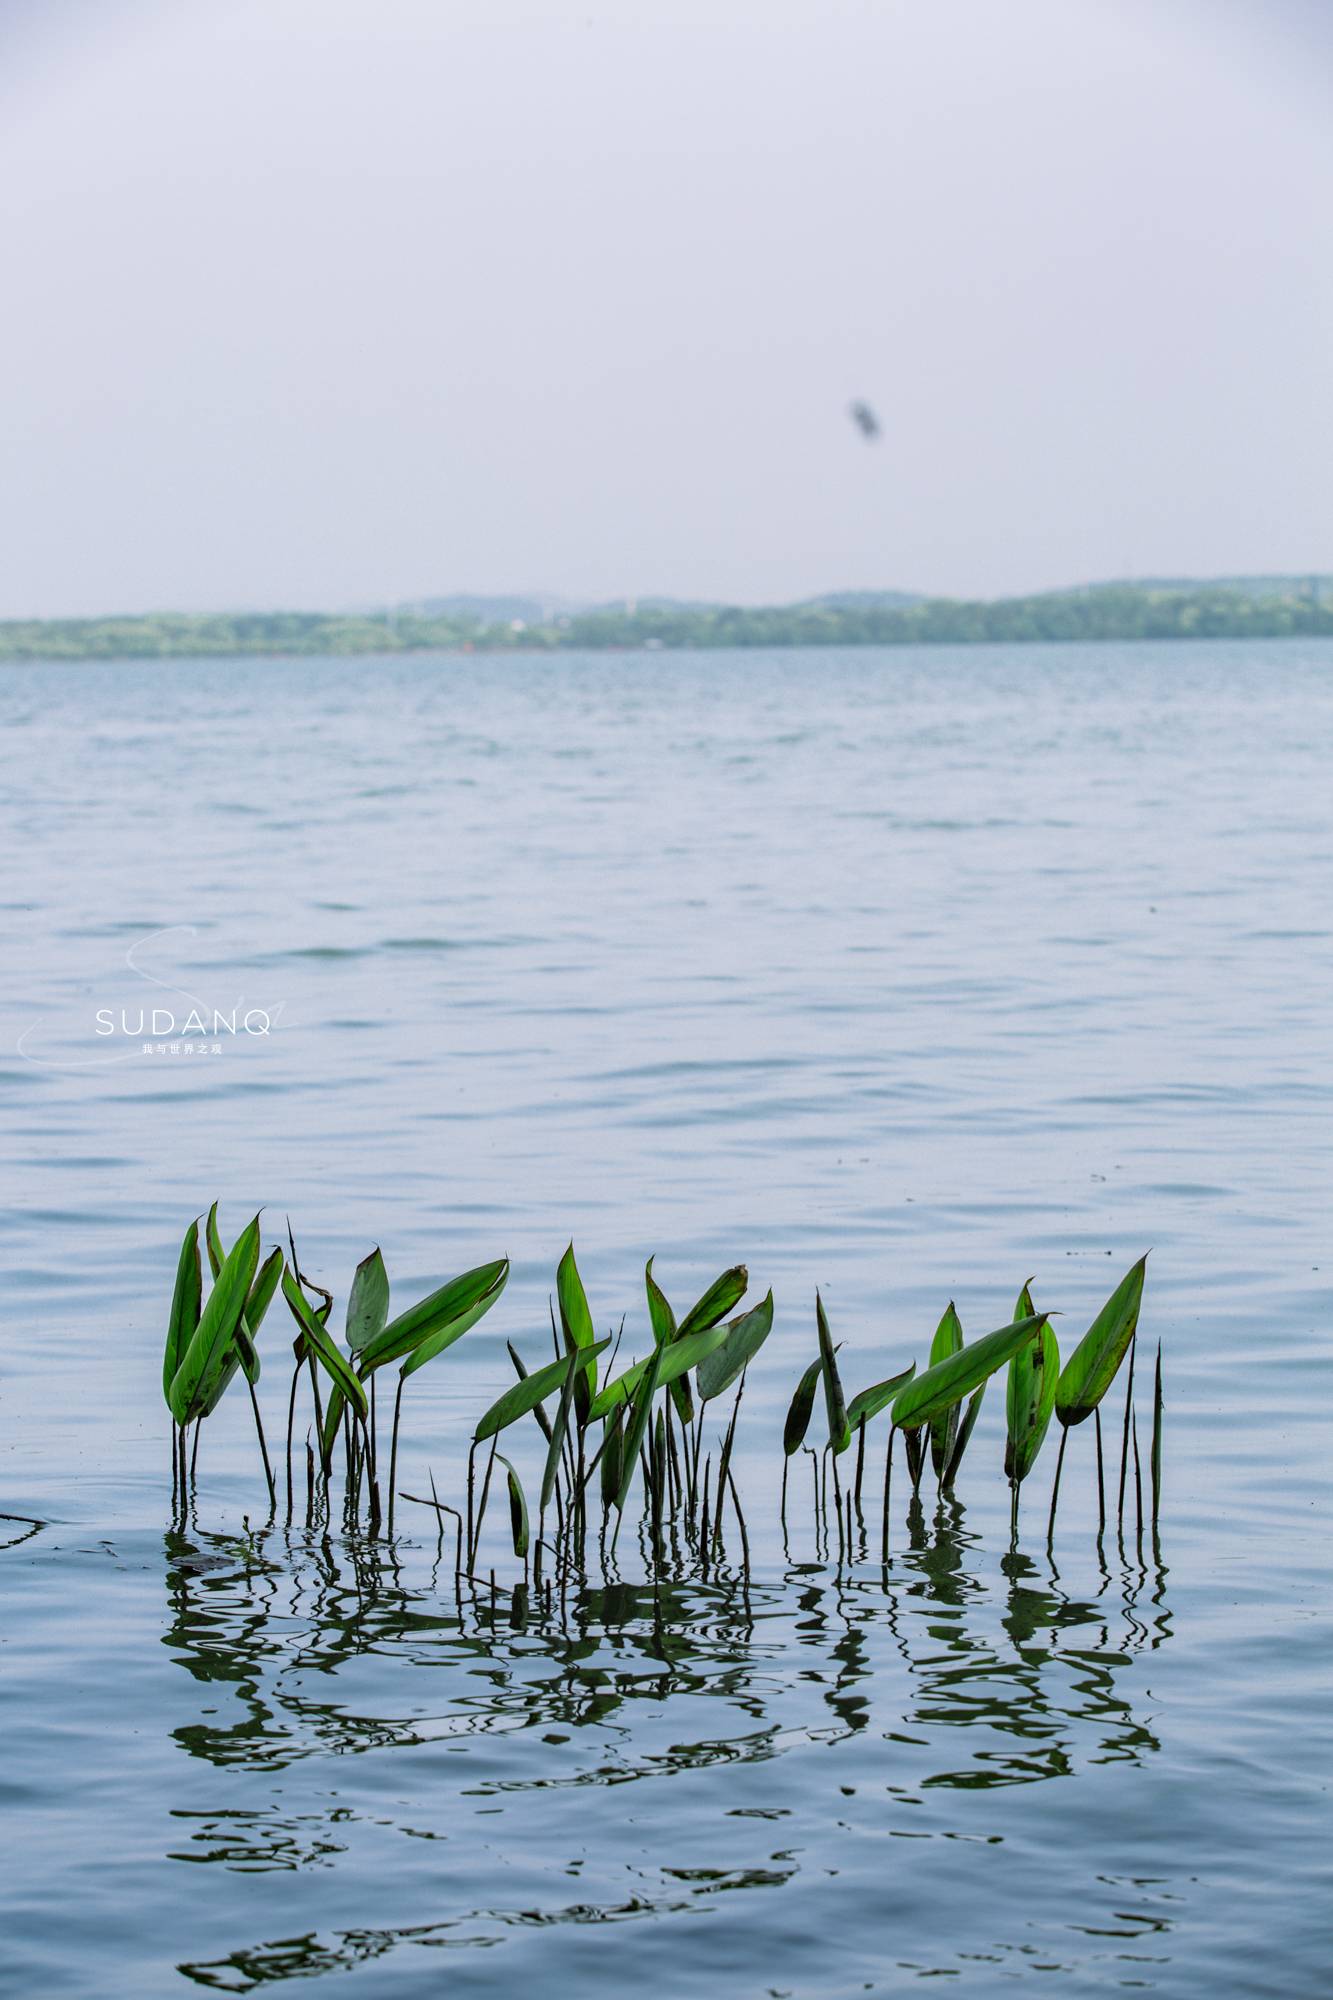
{"x": 317, "y": 303}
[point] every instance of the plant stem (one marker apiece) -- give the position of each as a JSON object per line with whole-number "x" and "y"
{"x": 1124, "y": 1441}
{"x": 1055, "y": 1490}
{"x": 481, "y": 1507}
{"x": 393, "y": 1449}
{"x": 1155, "y": 1462}
{"x": 1138, "y": 1480}
{"x": 888, "y": 1483}
{"x": 263, "y": 1447}
{"x": 291, "y": 1419}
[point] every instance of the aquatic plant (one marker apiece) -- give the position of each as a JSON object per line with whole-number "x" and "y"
{"x": 1090, "y": 1371}
{"x": 1029, "y": 1399}
{"x": 207, "y": 1342}
{"x": 606, "y": 1436}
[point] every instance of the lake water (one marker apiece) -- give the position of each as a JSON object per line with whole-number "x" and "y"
{"x": 904, "y": 974}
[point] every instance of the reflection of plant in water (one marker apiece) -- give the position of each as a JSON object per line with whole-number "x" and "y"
{"x": 25, "y": 1525}
{"x": 275, "y": 1635}
{"x": 966, "y": 1676}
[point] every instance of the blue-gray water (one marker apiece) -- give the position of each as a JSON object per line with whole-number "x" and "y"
{"x": 904, "y": 974}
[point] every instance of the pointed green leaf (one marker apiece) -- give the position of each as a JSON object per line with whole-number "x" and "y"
{"x": 929, "y": 1395}
{"x": 446, "y": 1332}
{"x": 262, "y": 1290}
{"x": 1029, "y": 1395}
{"x": 520, "y": 1369}
{"x": 727, "y": 1362}
{"x": 212, "y": 1346}
{"x": 943, "y": 1430}
{"x": 320, "y": 1342}
{"x": 868, "y": 1403}
{"x": 518, "y": 1509}
{"x": 839, "y": 1430}
{"x": 551, "y": 1470}
{"x": 256, "y": 1305}
{"x": 613, "y": 1458}
{"x": 575, "y": 1316}
{"x": 965, "y": 1430}
{"x": 185, "y": 1300}
{"x": 801, "y": 1407}
{"x": 367, "y": 1302}
{"x": 238, "y": 1353}
{"x": 677, "y": 1360}
{"x": 724, "y": 1293}
{"x": 1092, "y": 1367}
{"x": 333, "y": 1416}
{"x": 638, "y": 1421}
{"x": 217, "y": 1256}
{"x": 659, "y": 1311}
{"x": 531, "y": 1390}
{"x": 459, "y": 1304}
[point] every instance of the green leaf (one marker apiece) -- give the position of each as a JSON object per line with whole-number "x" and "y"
{"x": 520, "y": 1369}
{"x": 256, "y": 1305}
{"x": 333, "y": 1416}
{"x": 801, "y": 1407}
{"x": 367, "y": 1302}
{"x": 184, "y": 1307}
{"x": 660, "y": 1315}
{"x": 1029, "y": 1395}
{"x": 463, "y": 1301}
{"x": 446, "y": 1332}
{"x": 965, "y": 1430}
{"x": 839, "y": 1430}
{"x": 213, "y": 1343}
{"x": 677, "y": 1360}
{"x": 868, "y": 1403}
{"x": 239, "y": 1353}
{"x": 744, "y": 1338}
{"x": 531, "y": 1390}
{"x": 1092, "y": 1367}
{"x": 262, "y": 1290}
{"x": 319, "y": 1341}
{"x": 929, "y": 1395}
{"x": 518, "y": 1510}
{"x": 217, "y": 1256}
{"x": 575, "y": 1317}
{"x": 724, "y": 1293}
{"x": 551, "y": 1470}
{"x": 613, "y": 1458}
{"x": 943, "y": 1430}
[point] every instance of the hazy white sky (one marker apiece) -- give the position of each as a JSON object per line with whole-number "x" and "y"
{"x": 318, "y": 302}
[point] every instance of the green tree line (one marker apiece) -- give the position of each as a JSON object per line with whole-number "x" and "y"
{"x": 1107, "y": 611}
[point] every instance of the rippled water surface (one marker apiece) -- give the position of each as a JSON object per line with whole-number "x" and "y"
{"x": 902, "y": 974}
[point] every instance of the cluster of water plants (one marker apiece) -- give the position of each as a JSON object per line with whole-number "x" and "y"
{"x": 620, "y": 1440}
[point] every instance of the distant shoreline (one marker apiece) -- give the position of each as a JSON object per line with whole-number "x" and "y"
{"x": 1263, "y": 609}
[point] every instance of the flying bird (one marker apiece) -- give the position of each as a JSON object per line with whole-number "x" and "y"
{"x": 865, "y": 420}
